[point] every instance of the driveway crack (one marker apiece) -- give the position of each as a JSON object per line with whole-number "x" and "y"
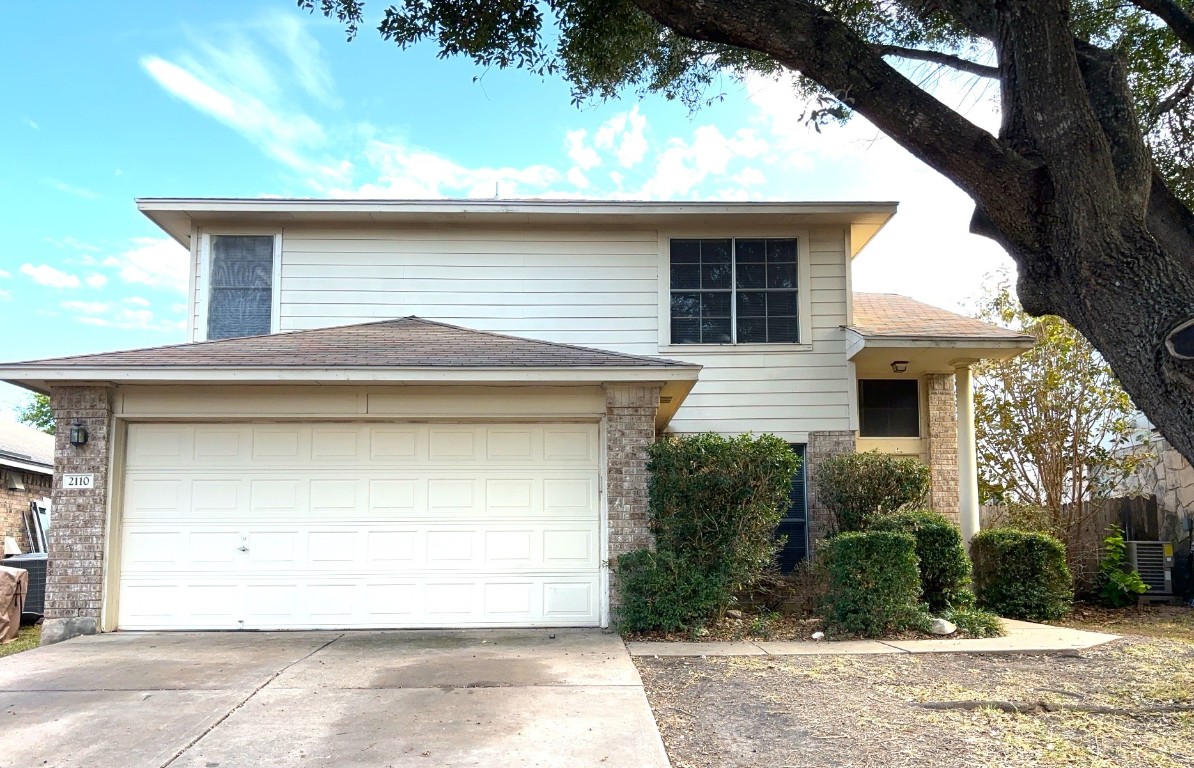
{"x": 187, "y": 747}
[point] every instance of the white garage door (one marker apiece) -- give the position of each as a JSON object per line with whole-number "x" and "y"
{"x": 289, "y": 526}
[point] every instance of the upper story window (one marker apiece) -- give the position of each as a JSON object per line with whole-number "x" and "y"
{"x": 734, "y": 291}
{"x": 240, "y": 286}
{"x": 888, "y": 408}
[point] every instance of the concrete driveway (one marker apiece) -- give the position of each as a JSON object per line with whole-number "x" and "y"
{"x": 425, "y": 698}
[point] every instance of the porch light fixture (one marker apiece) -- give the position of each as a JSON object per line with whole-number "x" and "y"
{"x": 899, "y": 366}
{"x": 78, "y": 434}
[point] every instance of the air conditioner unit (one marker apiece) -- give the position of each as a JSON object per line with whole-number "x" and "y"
{"x": 1153, "y": 560}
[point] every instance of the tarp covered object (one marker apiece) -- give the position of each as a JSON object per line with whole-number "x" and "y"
{"x": 14, "y": 585}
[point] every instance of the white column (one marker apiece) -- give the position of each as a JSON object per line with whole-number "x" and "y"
{"x": 967, "y": 454}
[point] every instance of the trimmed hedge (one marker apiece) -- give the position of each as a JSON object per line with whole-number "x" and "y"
{"x": 874, "y": 584}
{"x": 664, "y": 591}
{"x": 944, "y": 567}
{"x": 1021, "y": 575}
{"x": 857, "y": 488}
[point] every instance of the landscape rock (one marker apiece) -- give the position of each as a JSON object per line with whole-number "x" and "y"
{"x": 734, "y": 614}
{"x": 943, "y": 627}
{"x": 818, "y": 635}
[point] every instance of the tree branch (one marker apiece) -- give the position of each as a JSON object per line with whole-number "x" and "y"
{"x": 1175, "y": 17}
{"x": 1175, "y": 97}
{"x": 937, "y": 57}
{"x": 802, "y": 36}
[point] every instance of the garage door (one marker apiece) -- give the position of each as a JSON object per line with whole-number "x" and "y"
{"x": 290, "y": 526}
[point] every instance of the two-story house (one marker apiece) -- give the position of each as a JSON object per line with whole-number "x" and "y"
{"x": 435, "y": 413}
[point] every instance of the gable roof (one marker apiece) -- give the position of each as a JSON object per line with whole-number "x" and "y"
{"x": 25, "y": 448}
{"x": 408, "y": 342}
{"x": 889, "y": 315}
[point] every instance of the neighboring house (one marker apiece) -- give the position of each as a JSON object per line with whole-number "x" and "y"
{"x": 26, "y": 475}
{"x": 441, "y": 413}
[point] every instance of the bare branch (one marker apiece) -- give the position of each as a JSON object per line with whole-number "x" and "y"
{"x": 937, "y": 57}
{"x": 1175, "y": 97}
{"x": 1176, "y": 17}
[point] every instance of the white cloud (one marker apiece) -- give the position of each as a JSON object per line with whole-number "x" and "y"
{"x": 86, "y": 307}
{"x": 290, "y": 35}
{"x": 750, "y": 177}
{"x": 623, "y": 135}
{"x": 71, "y": 243}
{"x": 136, "y": 301}
{"x": 576, "y": 177}
{"x": 5, "y": 295}
{"x": 111, "y": 315}
{"x": 5, "y": 275}
{"x": 585, "y": 157}
{"x": 95, "y": 280}
{"x": 71, "y": 189}
{"x": 31, "y": 123}
{"x": 44, "y": 274}
{"x": 157, "y": 262}
{"x": 684, "y": 165}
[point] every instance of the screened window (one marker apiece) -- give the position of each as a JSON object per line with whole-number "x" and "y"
{"x": 734, "y": 291}
{"x": 889, "y": 408}
{"x": 240, "y": 286}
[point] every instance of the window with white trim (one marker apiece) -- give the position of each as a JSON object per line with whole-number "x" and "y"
{"x": 734, "y": 291}
{"x": 240, "y": 287}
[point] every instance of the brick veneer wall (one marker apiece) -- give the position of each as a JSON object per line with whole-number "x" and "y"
{"x": 943, "y": 443}
{"x": 629, "y": 429}
{"x": 822, "y": 445}
{"x": 74, "y": 585}
{"x": 14, "y": 504}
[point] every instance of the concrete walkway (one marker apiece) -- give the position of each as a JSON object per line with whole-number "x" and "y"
{"x": 1022, "y": 637}
{"x": 343, "y": 699}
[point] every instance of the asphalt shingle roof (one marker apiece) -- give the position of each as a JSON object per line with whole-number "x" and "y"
{"x": 25, "y": 445}
{"x": 889, "y": 314}
{"x": 408, "y": 342}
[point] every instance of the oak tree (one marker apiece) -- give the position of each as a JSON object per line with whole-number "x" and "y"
{"x": 1086, "y": 185}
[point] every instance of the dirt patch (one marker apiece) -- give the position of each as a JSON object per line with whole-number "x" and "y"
{"x": 869, "y": 710}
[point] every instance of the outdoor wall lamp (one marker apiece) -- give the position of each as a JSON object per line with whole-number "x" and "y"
{"x": 899, "y": 366}
{"x": 78, "y": 434}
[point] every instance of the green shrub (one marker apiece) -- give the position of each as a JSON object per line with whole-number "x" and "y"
{"x": 660, "y": 590}
{"x": 944, "y": 566}
{"x": 1117, "y": 585}
{"x": 975, "y": 622}
{"x": 1021, "y": 574}
{"x": 874, "y": 585}
{"x": 859, "y": 487}
{"x": 716, "y": 501}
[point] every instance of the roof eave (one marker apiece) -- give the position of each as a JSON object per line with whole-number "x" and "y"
{"x": 36, "y": 467}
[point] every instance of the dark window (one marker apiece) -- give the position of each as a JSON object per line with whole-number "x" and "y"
{"x": 794, "y": 524}
{"x": 727, "y": 291}
{"x": 240, "y": 286}
{"x": 889, "y": 408}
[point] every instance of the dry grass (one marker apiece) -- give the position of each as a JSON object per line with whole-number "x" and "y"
{"x": 866, "y": 710}
{"x": 27, "y": 638}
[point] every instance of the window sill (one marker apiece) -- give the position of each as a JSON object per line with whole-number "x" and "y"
{"x": 677, "y": 349}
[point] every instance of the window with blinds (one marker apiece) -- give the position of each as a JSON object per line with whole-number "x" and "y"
{"x": 240, "y": 286}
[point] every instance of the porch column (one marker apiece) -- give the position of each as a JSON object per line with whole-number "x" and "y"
{"x": 967, "y": 454}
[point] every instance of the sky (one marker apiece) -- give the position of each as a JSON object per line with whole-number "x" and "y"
{"x": 108, "y": 102}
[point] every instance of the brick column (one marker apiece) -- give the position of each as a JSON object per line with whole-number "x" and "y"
{"x": 943, "y": 444}
{"x": 822, "y": 445}
{"x": 629, "y": 429}
{"x": 74, "y": 585}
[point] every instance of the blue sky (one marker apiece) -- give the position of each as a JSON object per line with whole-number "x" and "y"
{"x": 109, "y": 102}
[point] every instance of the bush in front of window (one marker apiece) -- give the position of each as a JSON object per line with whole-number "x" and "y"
{"x": 874, "y": 584}
{"x": 714, "y": 506}
{"x": 858, "y": 488}
{"x": 1021, "y": 574}
{"x": 943, "y": 564}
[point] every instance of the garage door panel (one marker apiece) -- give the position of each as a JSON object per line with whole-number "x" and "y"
{"x": 360, "y": 525}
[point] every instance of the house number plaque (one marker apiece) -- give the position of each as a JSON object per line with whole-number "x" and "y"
{"x": 78, "y": 482}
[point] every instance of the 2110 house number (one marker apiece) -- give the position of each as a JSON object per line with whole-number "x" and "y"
{"x": 78, "y": 482}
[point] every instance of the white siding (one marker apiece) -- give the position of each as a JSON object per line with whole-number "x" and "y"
{"x": 589, "y": 287}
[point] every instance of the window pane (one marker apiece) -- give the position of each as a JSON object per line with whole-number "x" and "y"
{"x": 782, "y": 330}
{"x": 889, "y": 408}
{"x": 686, "y": 251}
{"x": 752, "y": 304}
{"x": 715, "y": 303}
{"x": 686, "y": 331}
{"x": 715, "y": 275}
{"x": 752, "y": 330}
{"x": 686, "y": 305}
{"x": 686, "y": 276}
{"x": 715, "y": 251}
{"x": 715, "y": 330}
{"x": 750, "y": 250}
{"x": 752, "y": 276}
{"x": 781, "y": 303}
{"x": 781, "y": 275}
{"x": 781, "y": 250}
{"x": 240, "y": 286}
